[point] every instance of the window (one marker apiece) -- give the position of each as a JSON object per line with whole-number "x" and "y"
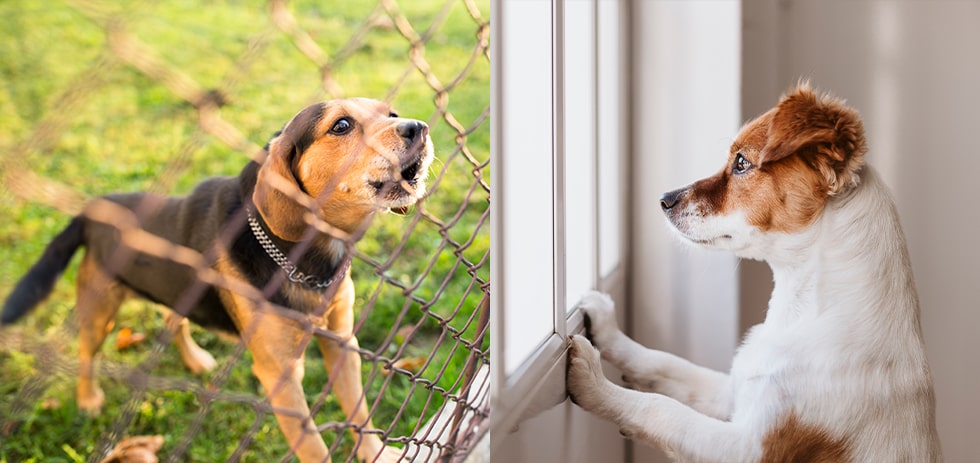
{"x": 524, "y": 184}
{"x": 599, "y": 107}
{"x": 558, "y": 220}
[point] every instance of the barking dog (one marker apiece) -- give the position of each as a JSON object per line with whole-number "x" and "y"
{"x": 333, "y": 166}
{"x": 837, "y": 372}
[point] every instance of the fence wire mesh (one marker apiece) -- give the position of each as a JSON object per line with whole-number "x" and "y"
{"x": 101, "y": 97}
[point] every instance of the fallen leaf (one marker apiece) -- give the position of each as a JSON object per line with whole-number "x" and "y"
{"x": 9, "y": 428}
{"x": 136, "y": 449}
{"x": 403, "y": 333}
{"x": 127, "y": 338}
{"x": 50, "y": 404}
{"x": 408, "y": 363}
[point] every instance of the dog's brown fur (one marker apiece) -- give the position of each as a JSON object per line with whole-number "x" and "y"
{"x": 334, "y": 165}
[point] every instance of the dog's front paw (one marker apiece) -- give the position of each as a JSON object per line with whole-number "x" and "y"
{"x": 90, "y": 399}
{"x": 600, "y": 317}
{"x": 584, "y": 379}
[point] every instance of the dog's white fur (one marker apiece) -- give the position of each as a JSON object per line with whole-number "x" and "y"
{"x": 839, "y": 362}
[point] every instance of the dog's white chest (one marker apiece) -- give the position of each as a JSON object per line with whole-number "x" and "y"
{"x": 762, "y": 355}
{"x": 766, "y": 366}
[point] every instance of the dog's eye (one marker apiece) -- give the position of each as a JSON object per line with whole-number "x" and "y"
{"x": 741, "y": 165}
{"x": 392, "y": 114}
{"x": 342, "y": 126}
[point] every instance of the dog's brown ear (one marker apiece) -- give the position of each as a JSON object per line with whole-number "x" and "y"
{"x": 278, "y": 190}
{"x": 827, "y": 133}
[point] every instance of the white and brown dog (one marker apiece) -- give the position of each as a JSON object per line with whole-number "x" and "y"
{"x": 838, "y": 371}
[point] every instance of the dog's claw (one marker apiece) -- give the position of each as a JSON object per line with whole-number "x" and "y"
{"x": 587, "y": 321}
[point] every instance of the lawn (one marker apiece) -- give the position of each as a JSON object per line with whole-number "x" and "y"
{"x": 80, "y": 117}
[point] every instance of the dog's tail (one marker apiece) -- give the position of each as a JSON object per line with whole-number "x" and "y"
{"x": 40, "y": 279}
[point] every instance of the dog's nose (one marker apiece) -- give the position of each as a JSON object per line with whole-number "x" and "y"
{"x": 671, "y": 198}
{"x": 411, "y": 130}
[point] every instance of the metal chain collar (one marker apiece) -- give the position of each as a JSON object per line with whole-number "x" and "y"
{"x": 292, "y": 271}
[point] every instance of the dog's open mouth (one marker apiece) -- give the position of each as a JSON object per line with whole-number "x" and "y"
{"x": 410, "y": 174}
{"x": 710, "y": 241}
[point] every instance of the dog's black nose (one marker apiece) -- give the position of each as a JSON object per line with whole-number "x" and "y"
{"x": 411, "y": 130}
{"x": 671, "y": 198}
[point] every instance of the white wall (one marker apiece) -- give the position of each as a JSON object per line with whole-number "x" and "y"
{"x": 912, "y": 70}
{"x": 686, "y": 112}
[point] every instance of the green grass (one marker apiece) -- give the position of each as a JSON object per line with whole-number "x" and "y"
{"x": 117, "y": 129}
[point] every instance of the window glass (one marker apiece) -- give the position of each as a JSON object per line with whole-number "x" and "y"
{"x": 611, "y": 135}
{"x": 526, "y": 183}
{"x": 579, "y": 203}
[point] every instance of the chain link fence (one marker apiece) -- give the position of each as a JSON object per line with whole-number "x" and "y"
{"x": 100, "y": 96}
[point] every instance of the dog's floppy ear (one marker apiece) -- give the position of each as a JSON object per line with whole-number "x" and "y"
{"x": 278, "y": 184}
{"x": 827, "y": 133}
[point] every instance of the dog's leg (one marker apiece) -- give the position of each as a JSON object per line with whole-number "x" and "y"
{"x": 277, "y": 354}
{"x": 343, "y": 363}
{"x": 655, "y": 418}
{"x": 706, "y": 390}
{"x": 277, "y": 345}
{"x": 98, "y": 301}
{"x": 194, "y": 356}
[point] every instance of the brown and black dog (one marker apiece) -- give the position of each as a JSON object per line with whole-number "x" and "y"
{"x": 286, "y": 227}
